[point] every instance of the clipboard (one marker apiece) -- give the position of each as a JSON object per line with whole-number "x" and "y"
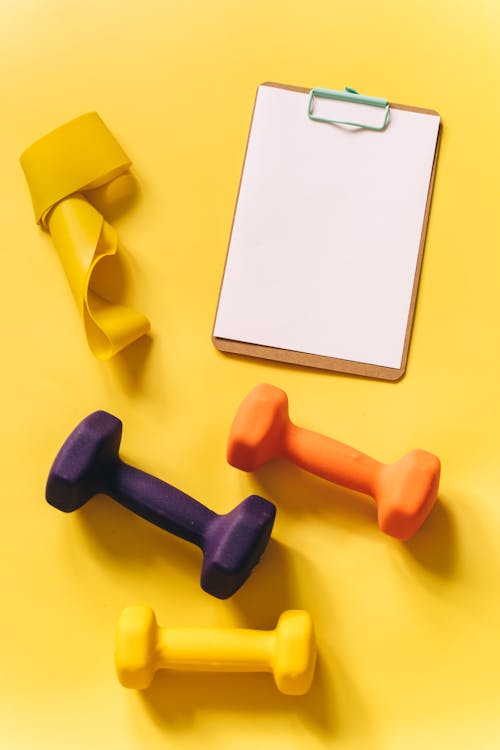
{"x": 328, "y": 233}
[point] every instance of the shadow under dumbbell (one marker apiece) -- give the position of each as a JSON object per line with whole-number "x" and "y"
{"x": 434, "y": 547}
{"x": 300, "y": 493}
{"x": 174, "y": 699}
{"x": 269, "y": 591}
{"x": 127, "y": 537}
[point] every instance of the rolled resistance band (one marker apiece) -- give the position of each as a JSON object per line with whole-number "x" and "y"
{"x": 60, "y": 168}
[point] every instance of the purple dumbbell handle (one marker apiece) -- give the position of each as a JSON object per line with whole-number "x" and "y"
{"x": 159, "y": 502}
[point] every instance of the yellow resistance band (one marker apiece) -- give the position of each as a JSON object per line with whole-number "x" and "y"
{"x": 60, "y": 167}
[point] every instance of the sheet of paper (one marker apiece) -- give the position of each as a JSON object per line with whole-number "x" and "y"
{"x": 326, "y": 233}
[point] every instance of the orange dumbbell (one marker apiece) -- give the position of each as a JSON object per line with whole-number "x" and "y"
{"x": 404, "y": 491}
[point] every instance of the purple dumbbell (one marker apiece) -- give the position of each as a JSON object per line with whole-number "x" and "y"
{"x": 88, "y": 464}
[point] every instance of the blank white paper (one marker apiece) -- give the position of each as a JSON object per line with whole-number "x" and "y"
{"x": 326, "y": 233}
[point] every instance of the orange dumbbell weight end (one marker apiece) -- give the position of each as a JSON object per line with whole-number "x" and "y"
{"x": 289, "y": 651}
{"x": 404, "y": 491}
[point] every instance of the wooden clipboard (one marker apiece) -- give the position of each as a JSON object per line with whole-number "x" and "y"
{"x": 316, "y": 360}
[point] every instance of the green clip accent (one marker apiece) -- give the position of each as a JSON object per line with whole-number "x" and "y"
{"x": 348, "y": 95}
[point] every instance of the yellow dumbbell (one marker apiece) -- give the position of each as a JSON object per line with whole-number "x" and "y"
{"x": 288, "y": 651}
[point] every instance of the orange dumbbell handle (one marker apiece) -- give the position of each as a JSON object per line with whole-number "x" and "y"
{"x": 331, "y": 459}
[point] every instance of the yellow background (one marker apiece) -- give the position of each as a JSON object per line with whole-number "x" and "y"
{"x": 408, "y": 634}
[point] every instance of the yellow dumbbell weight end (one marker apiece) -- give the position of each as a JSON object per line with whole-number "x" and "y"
{"x": 289, "y": 651}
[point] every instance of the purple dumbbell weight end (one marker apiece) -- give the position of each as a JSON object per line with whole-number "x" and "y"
{"x": 89, "y": 463}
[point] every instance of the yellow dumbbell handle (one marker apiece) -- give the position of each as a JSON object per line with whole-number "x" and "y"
{"x": 215, "y": 650}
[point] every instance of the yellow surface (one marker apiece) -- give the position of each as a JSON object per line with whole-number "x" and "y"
{"x": 408, "y": 634}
